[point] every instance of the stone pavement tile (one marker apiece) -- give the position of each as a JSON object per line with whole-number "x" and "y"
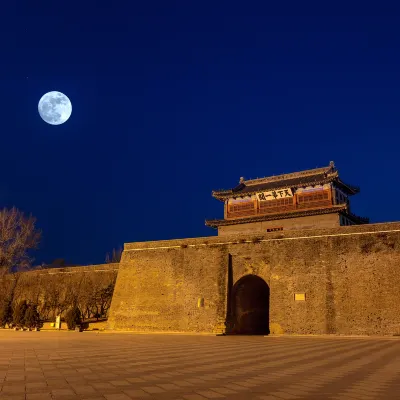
{"x": 98, "y": 397}
{"x": 62, "y": 392}
{"x": 209, "y": 394}
{"x": 53, "y": 374}
{"x": 151, "y": 378}
{"x": 107, "y": 375}
{"x": 20, "y": 378}
{"x": 83, "y": 389}
{"x": 223, "y": 390}
{"x": 70, "y": 372}
{"x": 12, "y": 396}
{"x": 14, "y": 389}
{"x": 113, "y": 390}
{"x": 120, "y": 383}
{"x": 120, "y": 396}
{"x": 208, "y": 377}
{"x": 137, "y": 393}
{"x": 195, "y": 380}
{"x": 84, "y": 371}
{"x": 233, "y": 386}
{"x": 34, "y": 377}
{"x": 77, "y": 380}
{"x": 162, "y": 396}
{"x": 296, "y": 391}
{"x": 152, "y": 389}
{"x": 38, "y": 396}
{"x": 93, "y": 377}
{"x": 193, "y": 397}
{"x": 169, "y": 386}
{"x": 56, "y": 381}
{"x": 246, "y": 384}
{"x": 242, "y": 396}
{"x": 37, "y": 387}
{"x": 286, "y": 396}
{"x": 182, "y": 383}
{"x": 32, "y": 369}
{"x": 103, "y": 385}
{"x": 164, "y": 375}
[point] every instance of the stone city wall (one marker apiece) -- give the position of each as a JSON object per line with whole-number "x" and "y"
{"x": 55, "y": 289}
{"x": 350, "y": 276}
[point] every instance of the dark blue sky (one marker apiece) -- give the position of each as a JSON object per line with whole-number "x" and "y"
{"x": 172, "y": 100}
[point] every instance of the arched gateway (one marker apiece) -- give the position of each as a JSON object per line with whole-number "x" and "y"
{"x": 250, "y": 306}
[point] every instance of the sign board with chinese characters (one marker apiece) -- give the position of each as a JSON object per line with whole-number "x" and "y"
{"x": 275, "y": 194}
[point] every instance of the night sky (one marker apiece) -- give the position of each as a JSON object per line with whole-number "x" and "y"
{"x": 172, "y": 100}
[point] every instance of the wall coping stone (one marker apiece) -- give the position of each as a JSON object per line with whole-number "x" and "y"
{"x": 230, "y": 239}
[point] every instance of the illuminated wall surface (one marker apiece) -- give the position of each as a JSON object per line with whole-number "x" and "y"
{"x": 342, "y": 280}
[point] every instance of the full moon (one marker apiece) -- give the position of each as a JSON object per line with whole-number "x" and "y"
{"x": 55, "y": 108}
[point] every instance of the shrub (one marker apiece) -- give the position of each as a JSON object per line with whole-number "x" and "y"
{"x": 73, "y": 318}
{"x": 19, "y": 314}
{"x": 32, "y": 319}
{"x": 6, "y": 314}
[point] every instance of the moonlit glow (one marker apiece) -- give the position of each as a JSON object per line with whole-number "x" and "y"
{"x": 55, "y": 108}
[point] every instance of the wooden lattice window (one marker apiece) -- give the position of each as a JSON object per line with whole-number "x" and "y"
{"x": 249, "y": 205}
{"x": 313, "y": 197}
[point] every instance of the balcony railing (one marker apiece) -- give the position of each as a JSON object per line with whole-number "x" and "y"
{"x": 265, "y": 210}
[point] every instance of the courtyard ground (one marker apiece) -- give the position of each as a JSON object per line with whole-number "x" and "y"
{"x": 118, "y": 366}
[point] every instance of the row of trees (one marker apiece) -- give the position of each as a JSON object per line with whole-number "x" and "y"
{"x": 26, "y": 315}
{"x": 54, "y": 294}
{"x": 23, "y": 315}
{"x": 27, "y": 296}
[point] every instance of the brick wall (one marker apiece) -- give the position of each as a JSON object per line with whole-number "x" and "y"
{"x": 351, "y": 277}
{"x": 309, "y": 222}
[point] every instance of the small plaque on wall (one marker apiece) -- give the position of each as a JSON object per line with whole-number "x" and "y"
{"x": 300, "y": 297}
{"x": 200, "y": 302}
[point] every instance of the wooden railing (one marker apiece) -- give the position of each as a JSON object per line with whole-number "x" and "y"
{"x": 314, "y": 204}
{"x": 264, "y": 210}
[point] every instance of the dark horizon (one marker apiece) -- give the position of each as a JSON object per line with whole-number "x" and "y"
{"x": 172, "y": 101}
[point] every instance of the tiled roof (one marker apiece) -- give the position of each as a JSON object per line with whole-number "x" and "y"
{"x": 342, "y": 209}
{"x": 318, "y": 176}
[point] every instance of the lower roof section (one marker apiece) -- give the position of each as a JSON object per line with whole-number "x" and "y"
{"x": 342, "y": 209}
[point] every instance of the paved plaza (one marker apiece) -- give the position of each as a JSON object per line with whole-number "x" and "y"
{"x": 117, "y": 366}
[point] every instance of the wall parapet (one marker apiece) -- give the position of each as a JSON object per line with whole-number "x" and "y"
{"x": 78, "y": 269}
{"x": 367, "y": 229}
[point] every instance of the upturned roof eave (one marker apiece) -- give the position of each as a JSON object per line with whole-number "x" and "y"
{"x": 225, "y": 194}
{"x": 350, "y": 189}
{"x": 229, "y": 193}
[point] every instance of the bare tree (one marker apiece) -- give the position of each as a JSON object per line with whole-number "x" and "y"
{"x": 18, "y": 235}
